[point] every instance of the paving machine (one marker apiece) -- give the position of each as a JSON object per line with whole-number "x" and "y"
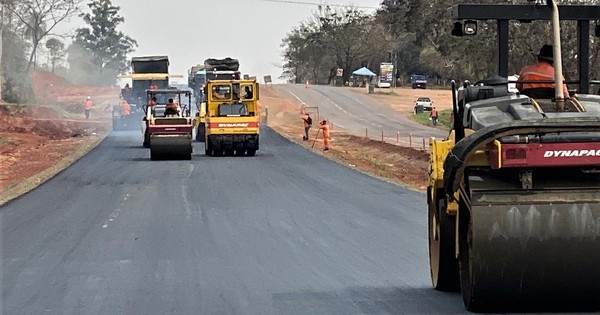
{"x": 514, "y": 191}
{"x": 213, "y": 69}
{"x": 147, "y": 71}
{"x": 168, "y": 133}
{"x": 232, "y": 117}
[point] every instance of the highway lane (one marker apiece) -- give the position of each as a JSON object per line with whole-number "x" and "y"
{"x": 356, "y": 111}
{"x": 284, "y": 232}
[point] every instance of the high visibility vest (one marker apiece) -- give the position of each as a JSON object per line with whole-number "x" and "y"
{"x": 174, "y": 106}
{"x": 541, "y": 71}
{"x": 125, "y": 109}
{"x": 325, "y": 129}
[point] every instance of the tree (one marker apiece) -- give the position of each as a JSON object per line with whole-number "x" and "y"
{"x": 56, "y": 49}
{"x": 108, "y": 46}
{"x": 40, "y": 17}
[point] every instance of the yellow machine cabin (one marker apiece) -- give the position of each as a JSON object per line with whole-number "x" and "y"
{"x": 232, "y": 117}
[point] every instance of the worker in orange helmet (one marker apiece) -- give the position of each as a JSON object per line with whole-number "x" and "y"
{"x": 87, "y": 106}
{"x": 153, "y": 87}
{"x": 326, "y": 136}
{"x": 125, "y": 109}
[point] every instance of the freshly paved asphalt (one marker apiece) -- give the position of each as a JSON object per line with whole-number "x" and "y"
{"x": 284, "y": 232}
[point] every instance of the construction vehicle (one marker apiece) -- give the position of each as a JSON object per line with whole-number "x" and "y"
{"x": 168, "y": 133}
{"x": 146, "y": 71}
{"x": 514, "y": 190}
{"x": 232, "y": 117}
{"x": 213, "y": 69}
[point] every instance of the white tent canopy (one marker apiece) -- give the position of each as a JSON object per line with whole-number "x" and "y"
{"x": 364, "y": 71}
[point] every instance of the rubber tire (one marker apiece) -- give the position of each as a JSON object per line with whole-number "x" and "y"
{"x": 443, "y": 265}
{"x": 208, "y": 151}
{"x": 240, "y": 152}
{"x": 465, "y": 252}
{"x": 201, "y": 133}
{"x": 250, "y": 152}
{"x": 146, "y": 143}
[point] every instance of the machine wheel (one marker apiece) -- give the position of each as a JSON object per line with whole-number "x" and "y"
{"x": 240, "y": 152}
{"x": 251, "y": 152}
{"x": 146, "y": 140}
{"x": 465, "y": 235}
{"x": 208, "y": 149}
{"x": 442, "y": 263}
{"x": 154, "y": 156}
{"x": 200, "y": 133}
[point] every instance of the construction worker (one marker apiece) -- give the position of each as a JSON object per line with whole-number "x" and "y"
{"x": 87, "y": 106}
{"x": 152, "y": 102}
{"x": 307, "y": 120}
{"x": 126, "y": 92}
{"x": 248, "y": 91}
{"x": 326, "y": 136}
{"x": 434, "y": 116}
{"x": 125, "y": 109}
{"x": 543, "y": 70}
{"x": 153, "y": 87}
{"x": 171, "y": 108}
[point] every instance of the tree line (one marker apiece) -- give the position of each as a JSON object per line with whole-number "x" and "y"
{"x": 29, "y": 41}
{"x": 416, "y": 36}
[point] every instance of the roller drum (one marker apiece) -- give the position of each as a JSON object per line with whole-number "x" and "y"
{"x": 531, "y": 250}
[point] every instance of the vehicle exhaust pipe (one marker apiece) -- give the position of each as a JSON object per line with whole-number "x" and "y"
{"x": 558, "y": 76}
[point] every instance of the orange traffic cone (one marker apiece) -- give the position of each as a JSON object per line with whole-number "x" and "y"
{"x": 306, "y": 84}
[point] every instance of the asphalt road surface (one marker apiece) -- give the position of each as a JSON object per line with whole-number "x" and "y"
{"x": 356, "y": 111}
{"x": 284, "y": 232}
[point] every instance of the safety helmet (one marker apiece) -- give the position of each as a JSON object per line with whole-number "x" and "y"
{"x": 89, "y": 98}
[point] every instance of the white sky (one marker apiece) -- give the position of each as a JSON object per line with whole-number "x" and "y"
{"x": 190, "y": 31}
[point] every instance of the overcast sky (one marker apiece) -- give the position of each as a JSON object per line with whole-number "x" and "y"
{"x": 189, "y": 31}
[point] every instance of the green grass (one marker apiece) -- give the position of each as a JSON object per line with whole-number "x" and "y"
{"x": 443, "y": 119}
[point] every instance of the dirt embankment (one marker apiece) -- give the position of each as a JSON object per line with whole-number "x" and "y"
{"x": 36, "y": 141}
{"x": 402, "y": 165}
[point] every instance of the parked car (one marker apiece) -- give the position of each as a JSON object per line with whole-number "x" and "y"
{"x": 423, "y": 103}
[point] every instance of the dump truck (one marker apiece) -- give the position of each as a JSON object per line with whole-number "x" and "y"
{"x": 146, "y": 71}
{"x": 232, "y": 117}
{"x": 196, "y": 80}
{"x": 167, "y": 132}
{"x": 514, "y": 190}
{"x": 212, "y": 69}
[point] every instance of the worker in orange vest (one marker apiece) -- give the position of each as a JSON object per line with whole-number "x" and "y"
{"x": 125, "y": 109}
{"x": 543, "y": 70}
{"x": 87, "y": 106}
{"x": 434, "y": 116}
{"x": 326, "y": 136}
{"x": 171, "y": 108}
{"x": 152, "y": 102}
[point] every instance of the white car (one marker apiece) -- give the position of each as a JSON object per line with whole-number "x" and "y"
{"x": 384, "y": 84}
{"x": 425, "y": 102}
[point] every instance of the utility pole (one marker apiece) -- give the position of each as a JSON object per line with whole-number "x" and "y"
{"x": 1, "y": 39}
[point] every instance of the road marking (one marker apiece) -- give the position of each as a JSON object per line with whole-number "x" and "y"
{"x": 296, "y": 96}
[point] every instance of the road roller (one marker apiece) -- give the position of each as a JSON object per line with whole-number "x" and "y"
{"x": 167, "y": 127}
{"x": 514, "y": 190}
